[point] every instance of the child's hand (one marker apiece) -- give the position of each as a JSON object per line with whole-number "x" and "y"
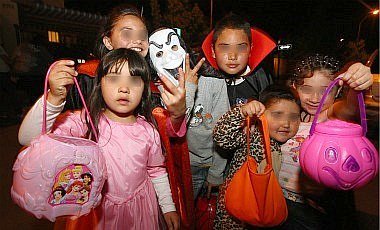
{"x": 358, "y": 77}
{"x": 191, "y": 74}
{"x": 172, "y": 220}
{"x": 173, "y": 96}
{"x": 60, "y": 78}
{"x": 252, "y": 108}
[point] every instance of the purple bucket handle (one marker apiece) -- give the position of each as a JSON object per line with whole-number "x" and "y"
{"x": 81, "y": 97}
{"x": 363, "y": 118}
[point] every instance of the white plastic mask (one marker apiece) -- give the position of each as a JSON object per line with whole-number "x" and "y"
{"x": 167, "y": 54}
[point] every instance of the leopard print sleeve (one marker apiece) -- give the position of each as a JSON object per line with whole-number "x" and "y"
{"x": 228, "y": 131}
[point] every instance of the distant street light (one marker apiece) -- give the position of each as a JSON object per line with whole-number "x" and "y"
{"x": 373, "y": 12}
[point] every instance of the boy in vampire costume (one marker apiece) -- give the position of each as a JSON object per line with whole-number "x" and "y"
{"x": 235, "y": 51}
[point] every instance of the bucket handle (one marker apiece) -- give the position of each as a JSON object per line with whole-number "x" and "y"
{"x": 363, "y": 120}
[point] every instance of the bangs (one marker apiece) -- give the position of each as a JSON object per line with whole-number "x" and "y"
{"x": 139, "y": 67}
{"x": 114, "y": 66}
{"x": 114, "y": 61}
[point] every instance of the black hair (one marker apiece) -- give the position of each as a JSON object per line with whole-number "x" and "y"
{"x": 86, "y": 174}
{"x": 232, "y": 21}
{"x": 61, "y": 189}
{"x": 274, "y": 93}
{"x": 73, "y": 100}
{"x": 306, "y": 66}
{"x": 113, "y": 17}
{"x": 115, "y": 60}
{"x": 89, "y": 175}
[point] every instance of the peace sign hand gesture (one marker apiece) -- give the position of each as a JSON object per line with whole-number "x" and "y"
{"x": 173, "y": 96}
{"x": 191, "y": 74}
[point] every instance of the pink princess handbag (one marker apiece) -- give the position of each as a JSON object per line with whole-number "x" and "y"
{"x": 59, "y": 175}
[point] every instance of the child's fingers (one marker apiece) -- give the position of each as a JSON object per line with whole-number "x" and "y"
{"x": 258, "y": 109}
{"x": 262, "y": 109}
{"x": 354, "y": 77}
{"x": 242, "y": 112}
{"x": 181, "y": 81}
{"x": 62, "y": 71}
{"x": 165, "y": 96}
{"x": 363, "y": 74}
{"x": 182, "y": 75}
{"x": 167, "y": 83}
{"x": 68, "y": 70}
{"x": 62, "y": 65}
{"x": 252, "y": 110}
{"x": 361, "y": 80}
{"x": 64, "y": 62}
{"x": 361, "y": 84}
{"x": 198, "y": 65}
{"x": 187, "y": 62}
{"x": 351, "y": 71}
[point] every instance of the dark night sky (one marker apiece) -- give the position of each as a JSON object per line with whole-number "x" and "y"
{"x": 322, "y": 21}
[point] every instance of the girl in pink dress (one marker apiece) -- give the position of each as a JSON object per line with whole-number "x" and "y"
{"x": 137, "y": 185}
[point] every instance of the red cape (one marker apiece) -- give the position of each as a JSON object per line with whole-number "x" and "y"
{"x": 263, "y": 44}
{"x": 178, "y": 166}
{"x": 176, "y": 154}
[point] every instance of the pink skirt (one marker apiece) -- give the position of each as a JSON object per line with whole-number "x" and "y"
{"x": 137, "y": 211}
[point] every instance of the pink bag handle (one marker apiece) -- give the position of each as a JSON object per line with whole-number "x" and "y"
{"x": 363, "y": 118}
{"x": 81, "y": 97}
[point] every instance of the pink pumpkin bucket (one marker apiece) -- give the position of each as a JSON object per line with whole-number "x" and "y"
{"x": 59, "y": 175}
{"x": 337, "y": 154}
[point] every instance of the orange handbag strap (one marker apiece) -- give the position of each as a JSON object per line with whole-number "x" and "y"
{"x": 264, "y": 124}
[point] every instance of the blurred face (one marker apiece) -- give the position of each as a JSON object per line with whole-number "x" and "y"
{"x": 128, "y": 32}
{"x": 122, "y": 94}
{"x": 283, "y": 119}
{"x": 167, "y": 54}
{"x": 312, "y": 90}
{"x": 231, "y": 51}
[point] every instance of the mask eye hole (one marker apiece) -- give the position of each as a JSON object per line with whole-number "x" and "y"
{"x": 174, "y": 47}
{"x": 159, "y": 54}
